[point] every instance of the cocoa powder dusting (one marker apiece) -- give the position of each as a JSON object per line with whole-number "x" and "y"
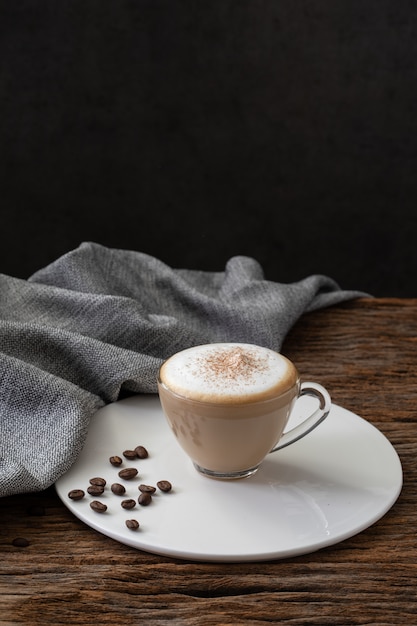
{"x": 235, "y": 363}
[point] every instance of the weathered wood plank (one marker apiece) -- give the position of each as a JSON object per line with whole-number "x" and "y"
{"x": 365, "y": 353}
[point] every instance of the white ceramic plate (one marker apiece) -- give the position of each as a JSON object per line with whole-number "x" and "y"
{"x": 332, "y": 484}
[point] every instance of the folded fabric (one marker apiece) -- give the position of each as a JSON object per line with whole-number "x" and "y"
{"x": 100, "y": 321}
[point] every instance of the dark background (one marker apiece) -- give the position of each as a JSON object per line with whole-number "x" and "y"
{"x": 195, "y": 131}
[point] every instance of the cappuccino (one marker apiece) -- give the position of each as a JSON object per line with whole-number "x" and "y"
{"x": 228, "y": 404}
{"x": 227, "y": 373}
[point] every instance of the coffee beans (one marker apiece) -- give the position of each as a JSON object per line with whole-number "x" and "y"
{"x": 130, "y": 454}
{"x": 132, "y": 524}
{"x": 145, "y": 499}
{"x": 118, "y": 489}
{"x": 20, "y": 542}
{"x": 129, "y": 503}
{"x": 141, "y": 452}
{"x": 98, "y": 482}
{"x": 147, "y": 488}
{"x": 98, "y": 506}
{"x": 128, "y": 473}
{"x": 76, "y": 494}
{"x": 98, "y": 486}
{"x": 164, "y": 485}
{"x": 95, "y": 490}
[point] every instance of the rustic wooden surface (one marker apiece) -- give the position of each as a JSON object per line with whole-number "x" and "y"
{"x": 365, "y": 353}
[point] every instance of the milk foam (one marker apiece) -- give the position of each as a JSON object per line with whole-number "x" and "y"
{"x": 232, "y": 372}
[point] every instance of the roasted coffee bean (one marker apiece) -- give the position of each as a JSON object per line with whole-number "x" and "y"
{"x": 118, "y": 489}
{"x": 130, "y": 454}
{"x": 164, "y": 485}
{"x": 99, "y": 507}
{"x": 76, "y": 494}
{"x": 132, "y": 524}
{"x": 20, "y": 542}
{"x": 95, "y": 490}
{"x": 128, "y": 473}
{"x": 147, "y": 488}
{"x": 145, "y": 499}
{"x": 97, "y": 481}
{"x": 128, "y": 504}
{"x": 141, "y": 452}
{"x": 116, "y": 460}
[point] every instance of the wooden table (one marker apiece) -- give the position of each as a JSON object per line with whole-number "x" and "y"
{"x": 364, "y": 352}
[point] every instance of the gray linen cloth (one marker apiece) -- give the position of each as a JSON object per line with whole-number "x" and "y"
{"x": 98, "y": 321}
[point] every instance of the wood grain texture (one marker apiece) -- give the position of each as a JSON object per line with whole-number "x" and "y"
{"x": 364, "y": 352}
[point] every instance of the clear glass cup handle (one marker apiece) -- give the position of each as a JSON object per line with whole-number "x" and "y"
{"x": 311, "y": 422}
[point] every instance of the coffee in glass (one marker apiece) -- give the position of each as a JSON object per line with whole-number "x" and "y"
{"x": 229, "y": 403}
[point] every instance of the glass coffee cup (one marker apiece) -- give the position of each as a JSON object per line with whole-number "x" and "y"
{"x": 228, "y": 405}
